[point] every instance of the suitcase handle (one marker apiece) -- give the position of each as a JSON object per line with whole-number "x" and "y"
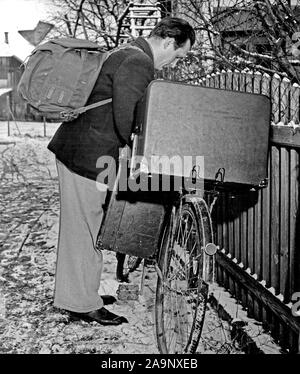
{"x": 132, "y": 160}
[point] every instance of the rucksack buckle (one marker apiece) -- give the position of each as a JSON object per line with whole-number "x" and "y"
{"x": 68, "y": 115}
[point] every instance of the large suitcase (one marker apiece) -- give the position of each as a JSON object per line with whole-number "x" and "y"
{"x": 220, "y": 130}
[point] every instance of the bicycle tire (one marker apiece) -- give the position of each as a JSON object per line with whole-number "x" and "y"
{"x": 182, "y": 292}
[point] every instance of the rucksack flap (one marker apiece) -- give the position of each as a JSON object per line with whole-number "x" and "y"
{"x": 76, "y": 43}
{"x": 60, "y": 75}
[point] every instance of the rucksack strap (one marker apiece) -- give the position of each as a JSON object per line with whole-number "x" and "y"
{"x": 74, "y": 113}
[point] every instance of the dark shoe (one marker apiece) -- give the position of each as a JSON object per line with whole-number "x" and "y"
{"x": 102, "y": 316}
{"x": 108, "y": 299}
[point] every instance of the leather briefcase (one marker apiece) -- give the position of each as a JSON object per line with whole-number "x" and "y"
{"x": 133, "y": 223}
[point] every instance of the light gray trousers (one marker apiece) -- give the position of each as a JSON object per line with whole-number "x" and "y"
{"x": 79, "y": 264}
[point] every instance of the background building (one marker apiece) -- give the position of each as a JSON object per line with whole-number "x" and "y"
{"x": 15, "y": 47}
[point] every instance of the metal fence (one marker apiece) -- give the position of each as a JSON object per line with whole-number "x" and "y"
{"x": 26, "y": 128}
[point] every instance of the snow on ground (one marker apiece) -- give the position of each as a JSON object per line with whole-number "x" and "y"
{"x": 29, "y": 323}
{"x": 29, "y": 204}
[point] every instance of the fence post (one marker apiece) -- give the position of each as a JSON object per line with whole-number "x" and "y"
{"x": 265, "y": 84}
{"x": 8, "y": 114}
{"x": 275, "y": 97}
{"x": 217, "y": 79}
{"x": 249, "y": 81}
{"x": 294, "y": 103}
{"x": 44, "y": 120}
{"x": 257, "y": 82}
{"x": 201, "y": 82}
{"x": 207, "y": 80}
{"x": 243, "y": 81}
{"x": 285, "y": 89}
{"x": 257, "y": 213}
{"x": 212, "y": 80}
{"x": 235, "y": 80}
{"x": 229, "y": 78}
{"x": 223, "y": 79}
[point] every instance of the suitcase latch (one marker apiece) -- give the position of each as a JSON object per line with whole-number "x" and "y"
{"x": 263, "y": 183}
{"x": 220, "y": 175}
{"x": 195, "y": 174}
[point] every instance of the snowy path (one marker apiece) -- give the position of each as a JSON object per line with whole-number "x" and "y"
{"x": 28, "y": 234}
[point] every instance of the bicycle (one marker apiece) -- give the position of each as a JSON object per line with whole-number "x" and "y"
{"x": 184, "y": 262}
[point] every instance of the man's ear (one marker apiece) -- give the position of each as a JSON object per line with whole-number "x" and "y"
{"x": 168, "y": 42}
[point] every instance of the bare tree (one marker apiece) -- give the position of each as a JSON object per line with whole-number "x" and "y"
{"x": 102, "y": 21}
{"x": 95, "y": 20}
{"x": 239, "y": 34}
{"x": 235, "y": 34}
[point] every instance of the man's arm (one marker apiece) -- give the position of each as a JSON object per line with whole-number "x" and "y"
{"x": 130, "y": 82}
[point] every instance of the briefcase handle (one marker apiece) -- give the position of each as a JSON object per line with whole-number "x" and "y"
{"x": 134, "y": 137}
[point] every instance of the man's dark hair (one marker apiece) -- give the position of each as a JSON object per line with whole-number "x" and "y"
{"x": 176, "y": 28}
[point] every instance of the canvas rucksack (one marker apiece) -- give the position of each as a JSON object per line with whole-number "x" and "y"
{"x": 59, "y": 77}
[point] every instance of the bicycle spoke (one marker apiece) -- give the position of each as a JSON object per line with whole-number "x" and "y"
{"x": 183, "y": 287}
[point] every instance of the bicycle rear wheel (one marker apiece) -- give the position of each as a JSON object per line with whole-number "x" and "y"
{"x": 182, "y": 293}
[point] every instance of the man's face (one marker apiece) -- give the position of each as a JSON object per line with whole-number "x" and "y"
{"x": 169, "y": 55}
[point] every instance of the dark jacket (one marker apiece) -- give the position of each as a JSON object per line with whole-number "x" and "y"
{"x": 102, "y": 131}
